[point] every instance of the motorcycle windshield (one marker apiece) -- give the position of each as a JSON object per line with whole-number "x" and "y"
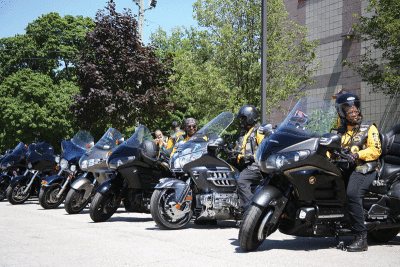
{"x": 309, "y": 118}
{"x": 82, "y": 139}
{"x": 100, "y": 151}
{"x": 196, "y": 146}
{"x": 74, "y": 149}
{"x": 141, "y": 134}
{"x": 40, "y": 151}
{"x": 15, "y": 156}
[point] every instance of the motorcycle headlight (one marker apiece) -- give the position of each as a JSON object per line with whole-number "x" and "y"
{"x": 58, "y": 159}
{"x": 182, "y": 161}
{"x": 278, "y": 160}
{"x": 84, "y": 165}
{"x": 64, "y": 164}
{"x": 72, "y": 168}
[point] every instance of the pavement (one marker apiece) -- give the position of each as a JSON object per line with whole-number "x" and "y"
{"x": 31, "y": 236}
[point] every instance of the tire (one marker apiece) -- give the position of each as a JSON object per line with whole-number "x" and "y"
{"x": 164, "y": 213}
{"x": 14, "y": 193}
{"x": 103, "y": 206}
{"x": 74, "y": 202}
{"x": 383, "y": 235}
{"x": 48, "y": 196}
{"x": 249, "y": 239}
{"x": 3, "y": 189}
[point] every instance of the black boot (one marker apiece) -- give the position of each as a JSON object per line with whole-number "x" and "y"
{"x": 359, "y": 244}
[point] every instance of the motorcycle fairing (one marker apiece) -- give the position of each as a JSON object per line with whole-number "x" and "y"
{"x": 53, "y": 179}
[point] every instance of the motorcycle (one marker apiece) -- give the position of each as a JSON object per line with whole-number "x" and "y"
{"x": 12, "y": 165}
{"x": 40, "y": 164}
{"x": 304, "y": 192}
{"x": 135, "y": 173}
{"x": 93, "y": 163}
{"x": 204, "y": 185}
{"x": 55, "y": 188}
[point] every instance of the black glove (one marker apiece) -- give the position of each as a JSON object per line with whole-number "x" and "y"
{"x": 352, "y": 158}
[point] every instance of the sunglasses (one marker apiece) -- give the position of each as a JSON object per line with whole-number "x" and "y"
{"x": 192, "y": 126}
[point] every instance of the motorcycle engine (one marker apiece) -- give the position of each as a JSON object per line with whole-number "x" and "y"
{"x": 216, "y": 206}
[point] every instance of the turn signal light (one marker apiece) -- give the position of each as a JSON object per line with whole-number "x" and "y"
{"x": 44, "y": 182}
{"x": 189, "y": 198}
{"x": 178, "y": 206}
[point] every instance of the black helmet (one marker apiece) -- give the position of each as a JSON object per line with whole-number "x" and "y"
{"x": 250, "y": 112}
{"x": 149, "y": 149}
{"x": 347, "y": 100}
{"x": 175, "y": 124}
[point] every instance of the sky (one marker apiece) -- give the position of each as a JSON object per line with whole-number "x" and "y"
{"x": 168, "y": 14}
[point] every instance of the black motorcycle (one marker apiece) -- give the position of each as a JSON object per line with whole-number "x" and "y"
{"x": 12, "y": 165}
{"x": 304, "y": 192}
{"x": 136, "y": 170}
{"x": 205, "y": 185}
{"x": 40, "y": 164}
{"x": 93, "y": 163}
{"x": 55, "y": 188}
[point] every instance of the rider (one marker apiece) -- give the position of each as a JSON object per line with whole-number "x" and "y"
{"x": 361, "y": 141}
{"x": 160, "y": 140}
{"x": 190, "y": 130}
{"x": 175, "y": 135}
{"x": 247, "y": 142}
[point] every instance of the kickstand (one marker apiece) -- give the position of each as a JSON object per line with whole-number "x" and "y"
{"x": 340, "y": 244}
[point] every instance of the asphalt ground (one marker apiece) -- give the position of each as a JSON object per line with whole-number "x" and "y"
{"x": 32, "y": 236}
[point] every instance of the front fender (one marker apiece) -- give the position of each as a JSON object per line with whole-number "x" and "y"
{"x": 54, "y": 179}
{"x": 20, "y": 178}
{"x": 178, "y": 185}
{"x": 111, "y": 184}
{"x": 270, "y": 196}
{"x": 170, "y": 183}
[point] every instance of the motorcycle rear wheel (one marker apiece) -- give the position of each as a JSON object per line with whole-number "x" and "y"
{"x": 74, "y": 202}
{"x": 164, "y": 213}
{"x": 14, "y": 193}
{"x": 103, "y": 206}
{"x": 383, "y": 235}
{"x": 250, "y": 232}
{"x": 48, "y": 196}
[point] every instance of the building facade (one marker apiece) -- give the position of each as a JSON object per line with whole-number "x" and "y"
{"x": 330, "y": 22}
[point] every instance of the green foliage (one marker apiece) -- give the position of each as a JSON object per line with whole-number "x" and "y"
{"x": 220, "y": 69}
{"x": 33, "y": 106}
{"x": 382, "y": 28}
{"x": 47, "y": 47}
{"x": 321, "y": 121}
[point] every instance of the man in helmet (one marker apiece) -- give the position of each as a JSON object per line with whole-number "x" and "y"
{"x": 175, "y": 135}
{"x": 247, "y": 142}
{"x": 360, "y": 140}
{"x": 190, "y": 130}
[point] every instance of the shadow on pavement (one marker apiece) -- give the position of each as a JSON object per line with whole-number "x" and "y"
{"x": 308, "y": 243}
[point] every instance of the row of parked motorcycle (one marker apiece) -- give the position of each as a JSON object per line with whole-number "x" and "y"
{"x": 303, "y": 192}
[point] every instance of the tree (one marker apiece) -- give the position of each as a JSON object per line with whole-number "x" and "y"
{"x": 198, "y": 89}
{"x": 382, "y": 28}
{"x": 235, "y": 27}
{"x": 123, "y": 83}
{"x": 47, "y": 47}
{"x": 32, "y": 106}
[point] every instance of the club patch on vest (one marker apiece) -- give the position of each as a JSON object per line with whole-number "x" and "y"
{"x": 355, "y": 149}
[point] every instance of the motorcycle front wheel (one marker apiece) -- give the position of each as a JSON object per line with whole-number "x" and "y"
{"x": 74, "y": 202}
{"x": 3, "y": 189}
{"x": 15, "y": 193}
{"x": 48, "y": 196}
{"x": 164, "y": 212}
{"x": 104, "y": 206}
{"x": 255, "y": 227}
{"x": 383, "y": 235}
